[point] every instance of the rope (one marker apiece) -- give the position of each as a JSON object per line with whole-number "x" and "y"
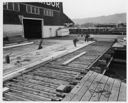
{"x": 100, "y": 91}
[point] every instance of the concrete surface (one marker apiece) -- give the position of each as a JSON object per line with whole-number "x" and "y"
{"x": 29, "y": 55}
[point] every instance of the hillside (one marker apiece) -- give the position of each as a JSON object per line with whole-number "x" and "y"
{"x": 115, "y": 18}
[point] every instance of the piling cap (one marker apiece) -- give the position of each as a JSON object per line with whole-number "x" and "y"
{"x": 64, "y": 88}
{"x": 102, "y": 62}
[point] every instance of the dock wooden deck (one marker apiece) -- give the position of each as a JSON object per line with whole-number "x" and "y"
{"x": 97, "y": 87}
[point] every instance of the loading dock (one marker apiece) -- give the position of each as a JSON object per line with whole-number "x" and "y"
{"x": 32, "y": 28}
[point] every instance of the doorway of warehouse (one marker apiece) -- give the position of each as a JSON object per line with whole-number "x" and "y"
{"x": 32, "y": 28}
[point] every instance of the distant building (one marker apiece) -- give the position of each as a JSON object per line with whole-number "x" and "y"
{"x": 33, "y": 19}
{"x": 106, "y": 25}
{"x": 122, "y": 25}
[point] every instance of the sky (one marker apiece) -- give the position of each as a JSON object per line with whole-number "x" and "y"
{"x": 93, "y": 8}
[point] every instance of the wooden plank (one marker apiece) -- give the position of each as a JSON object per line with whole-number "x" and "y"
{"x": 78, "y": 87}
{"x": 27, "y": 90}
{"x": 85, "y": 87}
{"x": 84, "y": 61}
{"x": 108, "y": 65}
{"x": 109, "y": 61}
{"x": 65, "y": 68}
{"x": 81, "y": 62}
{"x": 99, "y": 89}
{"x": 122, "y": 93}
{"x": 78, "y": 66}
{"x": 14, "y": 97}
{"x": 82, "y": 82}
{"x": 12, "y": 46}
{"x": 58, "y": 77}
{"x": 115, "y": 91}
{"x": 35, "y": 82}
{"x": 5, "y": 89}
{"x": 58, "y": 73}
{"x": 54, "y": 73}
{"x": 108, "y": 88}
{"x": 19, "y": 96}
{"x": 32, "y": 91}
{"x": 71, "y": 59}
{"x": 6, "y": 99}
{"x": 36, "y": 86}
{"x": 62, "y": 71}
{"x": 25, "y": 94}
{"x": 91, "y": 89}
{"x": 39, "y": 79}
{"x": 35, "y": 97}
{"x": 49, "y": 80}
{"x": 88, "y": 57}
{"x": 30, "y": 96}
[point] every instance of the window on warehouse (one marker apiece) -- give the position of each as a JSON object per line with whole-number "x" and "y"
{"x": 28, "y": 8}
{"x": 32, "y": 9}
{"x": 37, "y": 10}
{"x": 11, "y": 6}
{"x": 16, "y": 7}
{"x": 48, "y": 12}
{"x": 5, "y": 5}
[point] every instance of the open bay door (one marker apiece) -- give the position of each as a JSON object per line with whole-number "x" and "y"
{"x": 32, "y": 28}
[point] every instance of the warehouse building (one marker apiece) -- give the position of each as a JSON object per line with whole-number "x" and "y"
{"x": 33, "y": 19}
